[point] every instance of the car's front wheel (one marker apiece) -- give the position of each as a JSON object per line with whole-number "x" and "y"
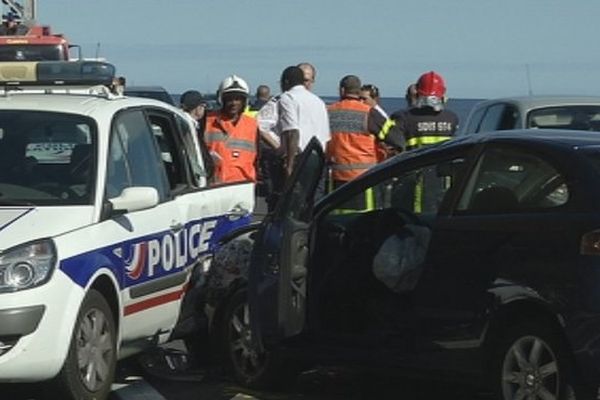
{"x": 249, "y": 366}
{"x": 89, "y": 368}
{"x": 531, "y": 363}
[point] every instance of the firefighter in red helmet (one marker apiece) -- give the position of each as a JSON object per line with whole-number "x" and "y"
{"x": 426, "y": 122}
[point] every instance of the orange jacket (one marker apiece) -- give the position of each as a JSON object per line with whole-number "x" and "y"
{"x": 233, "y": 146}
{"x": 352, "y": 149}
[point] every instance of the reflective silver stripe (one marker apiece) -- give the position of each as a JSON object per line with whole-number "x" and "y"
{"x": 349, "y": 167}
{"x": 348, "y": 121}
{"x": 215, "y": 137}
{"x": 241, "y": 144}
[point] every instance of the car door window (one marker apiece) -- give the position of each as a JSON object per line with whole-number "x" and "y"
{"x": 509, "y": 180}
{"x": 473, "y": 122}
{"x": 510, "y": 118}
{"x": 492, "y": 118}
{"x": 190, "y": 143}
{"x": 419, "y": 191}
{"x": 133, "y": 157}
{"x": 171, "y": 152}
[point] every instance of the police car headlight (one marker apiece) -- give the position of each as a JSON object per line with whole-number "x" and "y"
{"x": 27, "y": 266}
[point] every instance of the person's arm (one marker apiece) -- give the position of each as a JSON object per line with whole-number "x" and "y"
{"x": 267, "y": 120}
{"x": 290, "y": 130}
{"x": 292, "y": 138}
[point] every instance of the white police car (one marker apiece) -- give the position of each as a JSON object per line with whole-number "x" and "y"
{"x": 106, "y": 225}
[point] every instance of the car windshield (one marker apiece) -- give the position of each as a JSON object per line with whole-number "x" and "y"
{"x": 584, "y": 118}
{"x": 46, "y": 158}
{"x": 32, "y": 52}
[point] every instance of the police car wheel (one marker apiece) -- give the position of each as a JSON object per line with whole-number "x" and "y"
{"x": 89, "y": 368}
{"x": 250, "y": 367}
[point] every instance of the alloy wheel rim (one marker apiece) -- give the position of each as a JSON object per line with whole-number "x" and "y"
{"x": 94, "y": 350}
{"x": 246, "y": 358}
{"x": 530, "y": 371}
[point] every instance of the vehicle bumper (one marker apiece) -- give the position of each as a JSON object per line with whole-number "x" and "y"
{"x": 36, "y": 328}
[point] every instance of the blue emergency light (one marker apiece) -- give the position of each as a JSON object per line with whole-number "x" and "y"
{"x": 56, "y": 73}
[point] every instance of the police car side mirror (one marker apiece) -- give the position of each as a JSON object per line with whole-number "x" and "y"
{"x": 134, "y": 199}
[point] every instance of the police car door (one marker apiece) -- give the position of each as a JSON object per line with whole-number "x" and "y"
{"x": 207, "y": 212}
{"x": 222, "y": 208}
{"x": 278, "y": 271}
{"x": 147, "y": 243}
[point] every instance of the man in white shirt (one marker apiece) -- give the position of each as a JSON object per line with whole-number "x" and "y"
{"x": 302, "y": 115}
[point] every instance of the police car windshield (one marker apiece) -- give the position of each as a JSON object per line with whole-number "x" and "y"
{"x": 46, "y": 158}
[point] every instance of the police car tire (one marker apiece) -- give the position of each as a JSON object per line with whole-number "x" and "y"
{"x": 68, "y": 382}
{"x": 274, "y": 371}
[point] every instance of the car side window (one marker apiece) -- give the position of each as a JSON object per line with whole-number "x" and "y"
{"x": 473, "y": 124}
{"x": 171, "y": 154}
{"x": 509, "y": 119}
{"x": 190, "y": 139}
{"x": 510, "y": 180}
{"x": 492, "y": 118}
{"x": 420, "y": 191}
{"x": 133, "y": 158}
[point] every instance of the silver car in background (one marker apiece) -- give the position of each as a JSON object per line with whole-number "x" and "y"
{"x": 541, "y": 112}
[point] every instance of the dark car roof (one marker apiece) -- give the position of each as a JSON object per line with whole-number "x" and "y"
{"x": 153, "y": 92}
{"x": 548, "y": 137}
{"x": 559, "y": 136}
{"x": 531, "y": 102}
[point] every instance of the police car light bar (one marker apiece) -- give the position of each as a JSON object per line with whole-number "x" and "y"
{"x": 56, "y": 73}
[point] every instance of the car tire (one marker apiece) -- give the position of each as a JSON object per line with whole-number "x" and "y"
{"x": 89, "y": 369}
{"x": 266, "y": 370}
{"x": 531, "y": 362}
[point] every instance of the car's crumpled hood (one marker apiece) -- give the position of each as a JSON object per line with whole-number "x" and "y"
{"x": 25, "y": 224}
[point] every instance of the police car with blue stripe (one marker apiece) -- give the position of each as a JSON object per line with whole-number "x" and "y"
{"x": 107, "y": 225}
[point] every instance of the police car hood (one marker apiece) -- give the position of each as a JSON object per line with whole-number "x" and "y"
{"x": 23, "y": 224}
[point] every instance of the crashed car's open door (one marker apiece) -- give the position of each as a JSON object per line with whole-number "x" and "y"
{"x": 277, "y": 278}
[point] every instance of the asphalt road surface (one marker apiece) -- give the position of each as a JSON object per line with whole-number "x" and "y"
{"x": 135, "y": 382}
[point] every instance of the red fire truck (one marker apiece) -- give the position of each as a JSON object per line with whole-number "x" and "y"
{"x": 22, "y": 39}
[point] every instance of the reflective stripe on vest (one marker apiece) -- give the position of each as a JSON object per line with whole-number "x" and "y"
{"x": 425, "y": 140}
{"x": 347, "y": 121}
{"x": 233, "y": 146}
{"x": 385, "y": 129}
{"x": 239, "y": 144}
{"x": 350, "y": 167}
{"x": 352, "y": 149}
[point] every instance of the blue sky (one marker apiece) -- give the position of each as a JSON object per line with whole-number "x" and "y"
{"x": 483, "y": 48}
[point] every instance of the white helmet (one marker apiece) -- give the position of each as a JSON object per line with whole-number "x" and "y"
{"x": 233, "y": 84}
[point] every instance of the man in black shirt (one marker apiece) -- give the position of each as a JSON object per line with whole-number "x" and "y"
{"x": 427, "y": 122}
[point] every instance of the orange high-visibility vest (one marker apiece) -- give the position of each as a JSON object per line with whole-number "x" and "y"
{"x": 234, "y": 145}
{"x": 352, "y": 149}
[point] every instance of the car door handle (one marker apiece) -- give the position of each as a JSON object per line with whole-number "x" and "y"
{"x": 176, "y": 227}
{"x": 238, "y": 212}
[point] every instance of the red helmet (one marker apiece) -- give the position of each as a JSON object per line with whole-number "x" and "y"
{"x": 431, "y": 84}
